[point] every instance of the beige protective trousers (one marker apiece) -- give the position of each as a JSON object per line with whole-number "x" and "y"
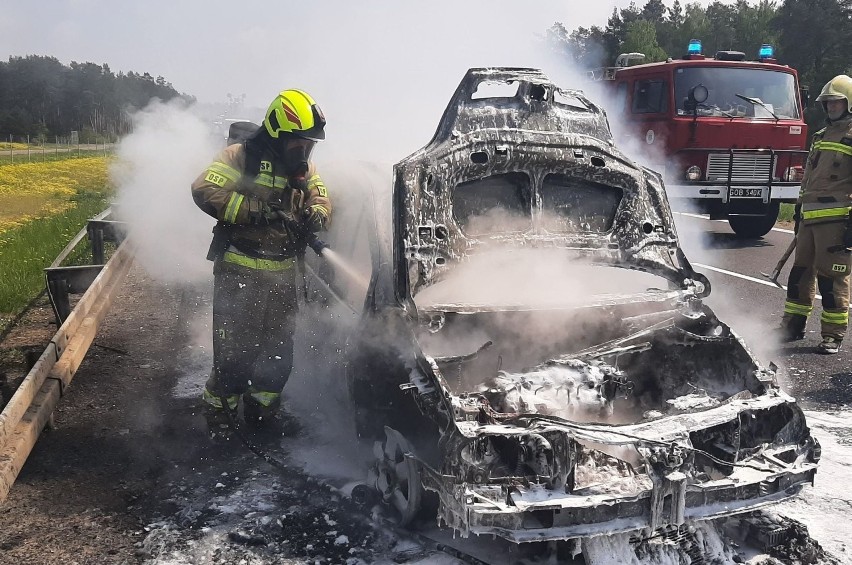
{"x": 254, "y": 318}
{"x": 821, "y": 263}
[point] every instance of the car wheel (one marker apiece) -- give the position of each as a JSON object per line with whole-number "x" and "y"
{"x": 397, "y": 477}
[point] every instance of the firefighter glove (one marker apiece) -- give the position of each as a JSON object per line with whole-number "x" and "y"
{"x": 261, "y": 214}
{"x": 313, "y": 220}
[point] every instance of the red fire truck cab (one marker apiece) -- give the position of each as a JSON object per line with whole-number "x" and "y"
{"x": 728, "y": 135}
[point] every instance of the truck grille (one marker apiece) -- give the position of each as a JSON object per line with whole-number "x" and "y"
{"x": 745, "y": 168}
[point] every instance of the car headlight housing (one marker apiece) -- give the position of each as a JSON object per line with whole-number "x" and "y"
{"x": 693, "y": 173}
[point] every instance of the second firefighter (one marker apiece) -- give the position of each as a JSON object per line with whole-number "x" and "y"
{"x": 823, "y": 225}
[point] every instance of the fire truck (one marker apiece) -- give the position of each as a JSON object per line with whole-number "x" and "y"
{"x": 727, "y": 134}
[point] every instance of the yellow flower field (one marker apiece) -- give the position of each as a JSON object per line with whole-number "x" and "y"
{"x": 36, "y": 190}
{"x": 6, "y": 145}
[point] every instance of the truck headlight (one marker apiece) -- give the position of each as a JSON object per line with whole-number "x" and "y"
{"x": 693, "y": 173}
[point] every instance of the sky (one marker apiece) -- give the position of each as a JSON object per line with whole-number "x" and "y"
{"x": 375, "y": 66}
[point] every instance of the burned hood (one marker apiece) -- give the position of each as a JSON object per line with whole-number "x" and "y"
{"x": 519, "y": 163}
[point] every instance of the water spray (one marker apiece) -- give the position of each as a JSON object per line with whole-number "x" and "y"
{"x": 322, "y": 249}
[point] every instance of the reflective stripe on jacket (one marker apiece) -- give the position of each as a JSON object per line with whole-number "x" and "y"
{"x": 815, "y": 210}
{"x": 258, "y": 262}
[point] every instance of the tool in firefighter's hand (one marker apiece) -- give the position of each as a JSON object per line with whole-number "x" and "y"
{"x": 304, "y": 236}
{"x": 777, "y": 270}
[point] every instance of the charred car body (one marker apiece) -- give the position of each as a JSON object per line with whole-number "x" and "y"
{"x": 581, "y": 401}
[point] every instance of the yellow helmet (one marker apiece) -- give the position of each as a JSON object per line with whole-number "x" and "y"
{"x": 294, "y": 111}
{"x": 840, "y": 87}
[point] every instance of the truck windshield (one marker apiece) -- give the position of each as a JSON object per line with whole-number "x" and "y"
{"x": 777, "y": 90}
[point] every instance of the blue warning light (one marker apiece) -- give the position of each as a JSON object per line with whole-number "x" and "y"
{"x": 694, "y": 47}
{"x": 766, "y": 51}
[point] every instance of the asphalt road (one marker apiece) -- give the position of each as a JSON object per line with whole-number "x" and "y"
{"x": 752, "y": 306}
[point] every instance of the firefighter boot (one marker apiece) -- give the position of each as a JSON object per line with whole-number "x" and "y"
{"x": 830, "y": 345}
{"x": 262, "y": 414}
{"x": 792, "y": 328}
{"x": 216, "y": 414}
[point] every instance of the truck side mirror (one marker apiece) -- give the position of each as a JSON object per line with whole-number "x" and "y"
{"x": 805, "y": 93}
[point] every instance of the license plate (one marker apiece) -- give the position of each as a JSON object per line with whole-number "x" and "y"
{"x": 746, "y": 193}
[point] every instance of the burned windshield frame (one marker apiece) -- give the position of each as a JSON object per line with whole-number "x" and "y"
{"x": 497, "y": 203}
{"x": 776, "y": 89}
{"x": 572, "y": 204}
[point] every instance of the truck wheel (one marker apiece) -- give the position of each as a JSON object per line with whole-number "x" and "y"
{"x": 749, "y": 227}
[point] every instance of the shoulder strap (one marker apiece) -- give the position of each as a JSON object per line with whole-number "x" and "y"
{"x": 253, "y": 157}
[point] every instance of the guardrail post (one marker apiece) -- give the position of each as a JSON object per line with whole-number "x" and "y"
{"x": 96, "y": 238}
{"x": 58, "y": 288}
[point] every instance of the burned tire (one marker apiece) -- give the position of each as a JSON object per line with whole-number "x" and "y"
{"x": 749, "y": 227}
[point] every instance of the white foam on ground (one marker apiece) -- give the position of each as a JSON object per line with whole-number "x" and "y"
{"x": 825, "y": 508}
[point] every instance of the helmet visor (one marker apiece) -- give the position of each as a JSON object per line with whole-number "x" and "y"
{"x": 826, "y": 97}
{"x": 317, "y": 132}
{"x": 296, "y": 155}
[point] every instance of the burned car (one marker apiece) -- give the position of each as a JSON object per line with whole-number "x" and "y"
{"x": 534, "y": 347}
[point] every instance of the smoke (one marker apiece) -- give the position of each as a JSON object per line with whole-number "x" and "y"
{"x": 644, "y": 142}
{"x": 154, "y": 168}
{"x": 383, "y": 72}
{"x": 532, "y": 277}
{"x": 383, "y": 96}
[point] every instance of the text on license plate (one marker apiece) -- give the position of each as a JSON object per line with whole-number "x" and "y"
{"x": 746, "y": 192}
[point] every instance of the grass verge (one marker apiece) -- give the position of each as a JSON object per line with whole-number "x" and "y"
{"x": 786, "y": 213}
{"x": 26, "y": 250}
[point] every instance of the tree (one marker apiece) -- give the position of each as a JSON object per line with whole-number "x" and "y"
{"x": 41, "y": 96}
{"x": 753, "y": 26}
{"x": 615, "y": 32}
{"x": 675, "y": 18}
{"x": 815, "y": 37}
{"x": 721, "y": 20}
{"x": 654, "y": 11}
{"x": 584, "y": 48}
{"x": 693, "y": 26}
{"x": 588, "y": 47}
{"x": 642, "y": 38}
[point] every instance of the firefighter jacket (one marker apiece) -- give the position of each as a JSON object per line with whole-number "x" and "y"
{"x": 826, "y": 194}
{"x": 237, "y": 198}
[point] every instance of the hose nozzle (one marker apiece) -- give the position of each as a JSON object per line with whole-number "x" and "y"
{"x": 316, "y": 244}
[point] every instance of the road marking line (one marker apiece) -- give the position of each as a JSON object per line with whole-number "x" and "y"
{"x": 705, "y": 217}
{"x": 748, "y": 278}
{"x": 740, "y": 276}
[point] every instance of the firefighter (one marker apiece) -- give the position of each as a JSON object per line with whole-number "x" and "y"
{"x": 823, "y": 225}
{"x": 266, "y": 195}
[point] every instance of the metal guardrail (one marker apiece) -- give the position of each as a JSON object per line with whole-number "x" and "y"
{"x": 63, "y": 281}
{"x": 32, "y": 405}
